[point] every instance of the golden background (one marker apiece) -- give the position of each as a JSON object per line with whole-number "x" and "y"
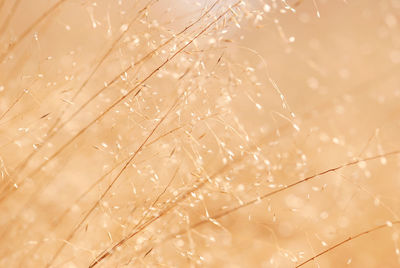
{"x": 181, "y": 133}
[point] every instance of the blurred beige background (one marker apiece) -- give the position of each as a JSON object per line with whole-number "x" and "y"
{"x": 262, "y": 95}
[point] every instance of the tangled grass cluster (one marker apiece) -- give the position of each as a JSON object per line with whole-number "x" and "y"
{"x": 215, "y": 133}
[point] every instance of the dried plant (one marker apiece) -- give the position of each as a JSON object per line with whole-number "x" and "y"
{"x": 217, "y": 133}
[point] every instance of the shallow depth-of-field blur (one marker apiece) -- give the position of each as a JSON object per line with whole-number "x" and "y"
{"x": 210, "y": 133}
